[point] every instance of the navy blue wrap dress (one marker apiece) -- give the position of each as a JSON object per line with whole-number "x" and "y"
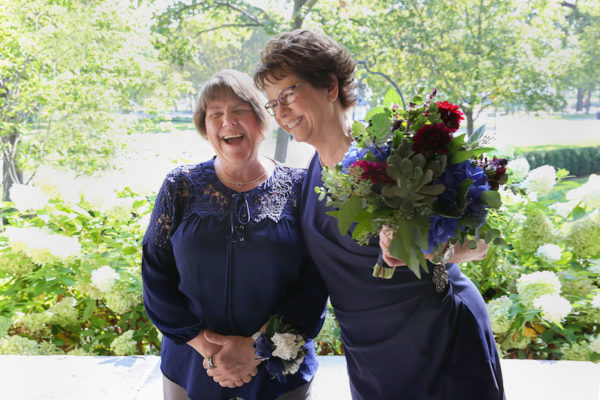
{"x": 403, "y": 340}
{"x": 226, "y": 260}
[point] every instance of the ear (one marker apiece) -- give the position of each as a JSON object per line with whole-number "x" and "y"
{"x": 333, "y": 89}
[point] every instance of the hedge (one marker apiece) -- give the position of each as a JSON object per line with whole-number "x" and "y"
{"x": 579, "y": 161}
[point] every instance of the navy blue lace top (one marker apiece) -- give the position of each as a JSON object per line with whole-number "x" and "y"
{"x": 226, "y": 260}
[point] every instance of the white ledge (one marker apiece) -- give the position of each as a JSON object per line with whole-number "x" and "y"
{"x": 139, "y": 378}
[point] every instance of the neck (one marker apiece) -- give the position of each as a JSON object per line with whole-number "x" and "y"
{"x": 335, "y": 139}
{"x": 243, "y": 177}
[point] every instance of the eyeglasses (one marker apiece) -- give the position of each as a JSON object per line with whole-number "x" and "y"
{"x": 286, "y": 97}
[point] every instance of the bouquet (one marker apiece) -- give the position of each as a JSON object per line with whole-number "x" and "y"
{"x": 282, "y": 347}
{"x": 408, "y": 171}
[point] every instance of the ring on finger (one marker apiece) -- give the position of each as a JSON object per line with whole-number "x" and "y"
{"x": 210, "y": 363}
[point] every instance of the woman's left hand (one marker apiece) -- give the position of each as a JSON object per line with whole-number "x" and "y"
{"x": 236, "y": 363}
{"x": 385, "y": 239}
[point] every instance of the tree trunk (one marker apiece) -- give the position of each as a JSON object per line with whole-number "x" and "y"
{"x": 7, "y": 165}
{"x": 588, "y": 101}
{"x": 469, "y": 115}
{"x": 579, "y": 105}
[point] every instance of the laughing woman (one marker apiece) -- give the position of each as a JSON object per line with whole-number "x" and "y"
{"x": 403, "y": 340}
{"x": 223, "y": 253}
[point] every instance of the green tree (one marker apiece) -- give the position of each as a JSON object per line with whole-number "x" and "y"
{"x": 582, "y": 35}
{"x": 66, "y": 67}
{"x": 478, "y": 53}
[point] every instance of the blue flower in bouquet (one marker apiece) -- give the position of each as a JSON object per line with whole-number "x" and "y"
{"x": 381, "y": 153}
{"x": 352, "y": 155}
{"x": 275, "y": 367}
{"x": 442, "y": 228}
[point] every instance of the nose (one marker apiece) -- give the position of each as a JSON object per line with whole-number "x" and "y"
{"x": 229, "y": 119}
{"x": 281, "y": 111}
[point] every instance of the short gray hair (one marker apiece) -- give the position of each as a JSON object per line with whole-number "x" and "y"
{"x": 231, "y": 82}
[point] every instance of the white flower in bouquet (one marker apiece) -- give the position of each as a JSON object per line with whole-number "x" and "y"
{"x": 554, "y": 307}
{"x": 563, "y": 209}
{"x": 104, "y": 277}
{"x": 549, "y": 252}
{"x": 519, "y": 168}
{"x": 536, "y": 284}
{"x": 588, "y": 193}
{"x": 42, "y": 247}
{"x": 28, "y": 197}
{"x": 286, "y": 345}
{"x": 541, "y": 180}
{"x": 595, "y": 344}
{"x": 498, "y": 311}
{"x": 596, "y": 301}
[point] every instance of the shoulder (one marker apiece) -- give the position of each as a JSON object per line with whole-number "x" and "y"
{"x": 187, "y": 175}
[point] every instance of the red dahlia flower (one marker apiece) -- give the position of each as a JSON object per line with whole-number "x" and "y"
{"x": 373, "y": 171}
{"x": 432, "y": 138}
{"x": 450, "y": 114}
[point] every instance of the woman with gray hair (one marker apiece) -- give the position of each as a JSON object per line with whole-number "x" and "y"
{"x": 223, "y": 253}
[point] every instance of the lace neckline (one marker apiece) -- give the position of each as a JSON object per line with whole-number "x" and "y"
{"x": 224, "y": 188}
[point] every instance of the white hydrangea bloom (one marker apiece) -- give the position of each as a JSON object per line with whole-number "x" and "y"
{"x": 104, "y": 277}
{"x": 58, "y": 184}
{"x": 42, "y": 247}
{"x": 564, "y": 209}
{"x": 554, "y": 307}
{"x": 519, "y": 168}
{"x": 540, "y": 181}
{"x": 536, "y": 284}
{"x": 588, "y": 193}
{"x": 498, "y": 311}
{"x": 64, "y": 312}
{"x": 286, "y": 345}
{"x": 28, "y": 197}
{"x": 595, "y": 344}
{"x": 124, "y": 345}
{"x": 596, "y": 301}
{"x": 549, "y": 252}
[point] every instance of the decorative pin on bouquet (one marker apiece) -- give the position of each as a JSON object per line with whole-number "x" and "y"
{"x": 407, "y": 171}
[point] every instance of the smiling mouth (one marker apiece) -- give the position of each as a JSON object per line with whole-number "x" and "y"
{"x": 232, "y": 138}
{"x": 294, "y": 123}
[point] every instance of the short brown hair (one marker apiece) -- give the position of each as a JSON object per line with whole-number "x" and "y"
{"x": 314, "y": 57}
{"x": 230, "y": 82}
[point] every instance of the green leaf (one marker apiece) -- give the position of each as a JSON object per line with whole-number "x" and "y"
{"x": 130, "y": 250}
{"x": 461, "y": 195}
{"x": 5, "y": 323}
{"x": 89, "y": 309}
{"x": 456, "y": 144}
{"x": 358, "y": 129}
{"x": 464, "y": 155}
{"x": 348, "y": 212}
{"x": 392, "y": 96}
{"x": 374, "y": 111}
{"x": 477, "y": 134}
{"x": 491, "y": 198}
{"x": 380, "y": 128}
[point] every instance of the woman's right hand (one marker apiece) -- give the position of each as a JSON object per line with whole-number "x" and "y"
{"x": 203, "y": 346}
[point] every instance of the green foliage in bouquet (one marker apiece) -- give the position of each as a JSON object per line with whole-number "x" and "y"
{"x": 407, "y": 169}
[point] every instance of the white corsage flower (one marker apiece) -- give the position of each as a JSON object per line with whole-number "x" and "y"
{"x": 286, "y": 345}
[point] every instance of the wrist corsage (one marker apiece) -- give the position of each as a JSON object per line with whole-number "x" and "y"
{"x": 281, "y": 347}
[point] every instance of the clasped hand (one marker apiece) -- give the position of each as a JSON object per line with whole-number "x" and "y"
{"x": 235, "y": 363}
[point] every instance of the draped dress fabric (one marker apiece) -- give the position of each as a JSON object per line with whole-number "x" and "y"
{"x": 403, "y": 340}
{"x": 226, "y": 260}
